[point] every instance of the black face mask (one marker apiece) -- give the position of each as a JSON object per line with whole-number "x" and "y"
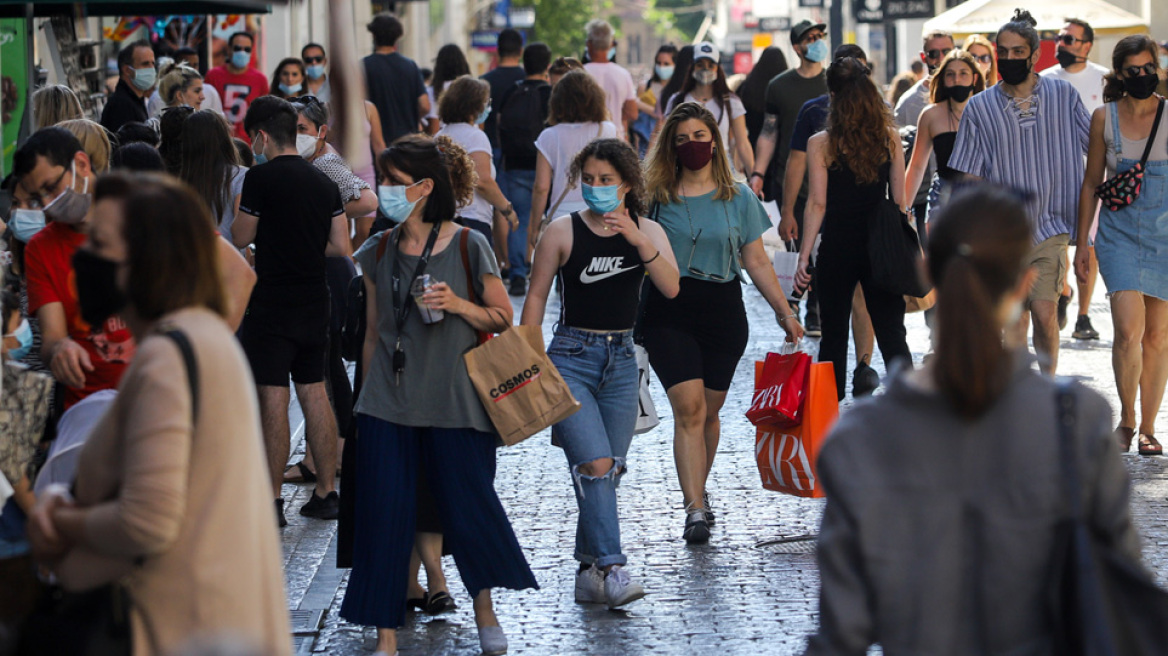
{"x": 1066, "y": 58}
{"x": 959, "y": 93}
{"x": 97, "y": 287}
{"x": 1014, "y": 71}
{"x": 1141, "y": 86}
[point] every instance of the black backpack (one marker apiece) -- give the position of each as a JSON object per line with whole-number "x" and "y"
{"x": 520, "y": 121}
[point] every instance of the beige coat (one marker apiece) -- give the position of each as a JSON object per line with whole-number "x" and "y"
{"x": 195, "y": 506}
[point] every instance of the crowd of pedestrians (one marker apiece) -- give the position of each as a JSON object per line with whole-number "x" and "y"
{"x": 212, "y": 225}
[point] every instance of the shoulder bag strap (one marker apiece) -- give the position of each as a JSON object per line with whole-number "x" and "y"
{"x": 1152, "y": 136}
{"x": 183, "y": 343}
{"x": 463, "y": 241}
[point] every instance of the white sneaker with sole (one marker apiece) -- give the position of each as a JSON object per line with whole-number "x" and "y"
{"x": 620, "y": 589}
{"x": 492, "y": 640}
{"x": 590, "y": 586}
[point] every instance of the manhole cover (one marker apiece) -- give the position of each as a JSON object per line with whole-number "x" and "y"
{"x": 802, "y": 544}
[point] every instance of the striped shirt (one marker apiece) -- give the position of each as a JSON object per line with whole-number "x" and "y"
{"x": 1042, "y": 154}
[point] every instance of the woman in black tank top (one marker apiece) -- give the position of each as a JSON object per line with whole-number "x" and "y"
{"x": 601, "y": 256}
{"x": 954, "y": 83}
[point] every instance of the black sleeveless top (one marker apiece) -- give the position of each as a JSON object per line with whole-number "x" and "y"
{"x": 601, "y": 281}
{"x": 850, "y": 202}
{"x": 943, "y": 148}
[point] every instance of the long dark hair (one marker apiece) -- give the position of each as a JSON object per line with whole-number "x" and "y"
{"x": 667, "y": 49}
{"x": 721, "y": 91}
{"x": 1128, "y": 46}
{"x": 771, "y": 62}
{"x": 170, "y": 128}
{"x": 977, "y": 249}
{"x": 275, "y": 89}
{"x": 858, "y": 121}
{"x": 449, "y": 65}
{"x": 209, "y": 160}
{"x": 439, "y": 159}
{"x": 1023, "y": 24}
{"x": 682, "y": 62}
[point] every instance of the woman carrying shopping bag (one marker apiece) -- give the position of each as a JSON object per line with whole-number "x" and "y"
{"x": 601, "y": 256}
{"x": 695, "y": 340}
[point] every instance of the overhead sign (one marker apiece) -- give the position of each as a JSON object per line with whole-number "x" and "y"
{"x": 485, "y": 40}
{"x": 868, "y": 11}
{"x": 774, "y": 23}
{"x": 811, "y": 3}
{"x": 894, "y": 9}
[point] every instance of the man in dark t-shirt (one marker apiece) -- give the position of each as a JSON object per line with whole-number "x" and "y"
{"x": 393, "y": 82}
{"x": 506, "y": 75}
{"x": 294, "y": 215}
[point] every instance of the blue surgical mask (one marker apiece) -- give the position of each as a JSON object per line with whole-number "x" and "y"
{"x": 664, "y": 72}
{"x": 601, "y": 200}
{"x": 23, "y": 334}
{"x": 260, "y": 157}
{"x": 483, "y": 116}
{"x": 26, "y": 223}
{"x": 144, "y": 78}
{"x": 393, "y": 201}
{"x": 314, "y": 72}
{"x": 612, "y": 54}
{"x": 1163, "y": 61}
{"x": 817, "y": 51}
{"x": 240, "y": 59}
{"x": 290, "y": 89}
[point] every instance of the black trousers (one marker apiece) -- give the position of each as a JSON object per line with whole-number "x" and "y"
{"x": 843, "y": 263}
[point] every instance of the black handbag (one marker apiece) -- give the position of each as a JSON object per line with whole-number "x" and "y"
{"x": 894, "y": 249}
{"x": 1101, "y": 602}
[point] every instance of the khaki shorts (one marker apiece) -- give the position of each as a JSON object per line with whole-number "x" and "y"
{"x": 1049, "y": 258}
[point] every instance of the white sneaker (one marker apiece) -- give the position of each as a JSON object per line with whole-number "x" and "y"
{"x": 619, "y": 589}
{"x": 590, "y": 586}
{"x": 492, "y": 640}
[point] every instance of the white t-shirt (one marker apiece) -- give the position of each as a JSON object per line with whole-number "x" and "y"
{"x": 718, "y": 108}
{"x": 560, "y": 144}
{"x": 473, "y": 140}
{"x": 1088, "y": 82}
{"x": 617, "y": 84}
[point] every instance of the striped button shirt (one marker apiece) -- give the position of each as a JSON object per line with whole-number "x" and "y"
{"x": 1041, "y": 154}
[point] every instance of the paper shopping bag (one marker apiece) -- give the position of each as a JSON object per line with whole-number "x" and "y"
{"x": 786, "y": 265}
{"x": 518, "y": 385}
{"x": 778, "y": 390}
{"x": 786, "y": 457}
{"x": 647, "y": 418}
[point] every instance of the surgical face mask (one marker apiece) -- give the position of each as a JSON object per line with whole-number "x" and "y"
{"x": 705, "y": 77}
{"x": 240, "y": 59}
{"x": 71, "y": 206}
{"x": 664, "y": 72}
{"x": 1141, "y": 86}
{"x": 314, "y": 72}
{"x": 960, "y": 92}
{"x": 26, "y": 223}
{"x": 1014, "y": 71}
{"x": 1163, "y": 61}
{"x": 290, "y": 89}
{"x": 97, "y": 287}
{"x": 144, "y": 78}
{"x": 260, "y": 157}
{"x": 306, "y": 145}
{"x": 601, "y": 200}
{"x": 816, "y": 52}
{"x": 23, "y": 335}
{"x": 482, "y": 118}
{"x": 612, "y": 54}
{"x": 393, "y": 202}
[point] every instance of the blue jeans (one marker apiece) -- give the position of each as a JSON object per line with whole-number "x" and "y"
{"x": 601, "y": 371}
{"x": 518, "y": 191}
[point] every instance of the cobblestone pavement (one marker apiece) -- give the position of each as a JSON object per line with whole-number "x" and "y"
{"x": 737, "y": 595}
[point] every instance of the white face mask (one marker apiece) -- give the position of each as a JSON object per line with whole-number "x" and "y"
{"x": 306, "y": 145}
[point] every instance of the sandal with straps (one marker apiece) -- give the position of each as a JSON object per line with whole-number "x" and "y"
{"x": 304, "y": 475}
{"x": 1124, "y": 436}
{"x": 1149, "y": 446}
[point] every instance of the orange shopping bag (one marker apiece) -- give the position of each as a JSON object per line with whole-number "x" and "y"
{"x": 786, "y": 456}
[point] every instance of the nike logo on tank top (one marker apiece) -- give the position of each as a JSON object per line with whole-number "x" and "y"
{"x": 601, "y": 280}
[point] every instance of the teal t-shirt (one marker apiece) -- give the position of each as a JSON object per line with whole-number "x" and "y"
{"x": 707, "y": 247}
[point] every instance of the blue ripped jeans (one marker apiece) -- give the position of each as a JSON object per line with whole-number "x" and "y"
{"x": 601, "y": 370}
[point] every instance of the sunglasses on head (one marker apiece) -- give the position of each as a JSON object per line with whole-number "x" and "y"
{"x": 937, "y": 53}
{"x": 1136, "y": 71}
{"x": 314, "y": 60}
{"x": 246, "y": 49}
{"x": 1070, "y": 40}
{"x": 305, "y": 100}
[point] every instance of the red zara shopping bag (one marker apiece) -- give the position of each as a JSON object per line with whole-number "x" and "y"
{"x": 786, "y": 457}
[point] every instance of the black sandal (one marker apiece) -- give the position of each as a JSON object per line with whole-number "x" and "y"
{"x": 440, "y": 602}
{"x": 1149, "y": 446}
{"x": 417, "y": 603}
{"x": 306, "y": 475}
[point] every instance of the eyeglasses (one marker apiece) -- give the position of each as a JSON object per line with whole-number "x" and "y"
{"x": 984, "y": 59}
{"x": 689, "y": 266}
{"x": 937, "y": 53}
{"x": 1070, "y": 40}
{"x": 306, "y": 100}
{"x": 314, "y": 60}
{"x": 1136, "y": 71}
{"x": 246, "y": 49}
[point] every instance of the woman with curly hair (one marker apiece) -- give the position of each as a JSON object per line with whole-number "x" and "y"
{"x": 601, "y": 256}
{"x": 852, "y": 165}
{"x": 417, "y": 405}
{"x": 288, "y": 80}
{"x": 695, "y": 340}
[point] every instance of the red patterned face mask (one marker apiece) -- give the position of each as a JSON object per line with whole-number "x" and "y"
{"x": 695, "y": 155}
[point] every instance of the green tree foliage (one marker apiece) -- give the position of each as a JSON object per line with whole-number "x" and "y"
{"x": 560, "y": 23}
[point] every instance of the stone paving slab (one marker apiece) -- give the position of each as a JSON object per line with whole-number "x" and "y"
{"x": 732, "y": 596}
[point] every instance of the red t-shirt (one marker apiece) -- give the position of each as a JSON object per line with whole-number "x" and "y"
{"x": 48, "y": 262}
{"x": 237, "y": 92}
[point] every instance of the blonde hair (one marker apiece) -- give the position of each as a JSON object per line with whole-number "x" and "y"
{"x": 94, "y": 141}
{"x": 177, "y": 77}
{"x": 662, "y": 170}
{"x": 991, "y": 78}
{"x": 53, "y": 104}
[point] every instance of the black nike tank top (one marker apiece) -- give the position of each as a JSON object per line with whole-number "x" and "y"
{"x": 601, "y": 281}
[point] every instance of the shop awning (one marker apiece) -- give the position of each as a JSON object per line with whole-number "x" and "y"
{"x": 986, "y": 16}
{"x": 16, "y": 8}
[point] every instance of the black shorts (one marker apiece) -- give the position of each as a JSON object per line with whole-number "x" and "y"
{"x": 701, "y": 334}
{"x": 286, "y": 340}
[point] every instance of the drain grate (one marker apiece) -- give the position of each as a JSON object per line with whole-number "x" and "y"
{"x": 306, "y": 621}
{"x": 800, "y": 544}
{"x": 302, "y": 645}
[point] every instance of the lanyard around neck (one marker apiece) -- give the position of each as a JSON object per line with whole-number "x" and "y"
{"x": 401, "y": 309}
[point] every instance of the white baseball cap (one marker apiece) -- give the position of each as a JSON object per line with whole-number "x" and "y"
{"x": 706, "y": 50}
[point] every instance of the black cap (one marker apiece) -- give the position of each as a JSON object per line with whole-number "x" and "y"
{"x": 802, "y": 28}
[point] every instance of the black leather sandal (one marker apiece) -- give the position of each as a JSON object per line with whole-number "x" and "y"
{"x": 418, "y": 603}
{"x": 1149, "y": 446}
{"x": 305, "y": 475}
{"x": 440, "y": 602}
